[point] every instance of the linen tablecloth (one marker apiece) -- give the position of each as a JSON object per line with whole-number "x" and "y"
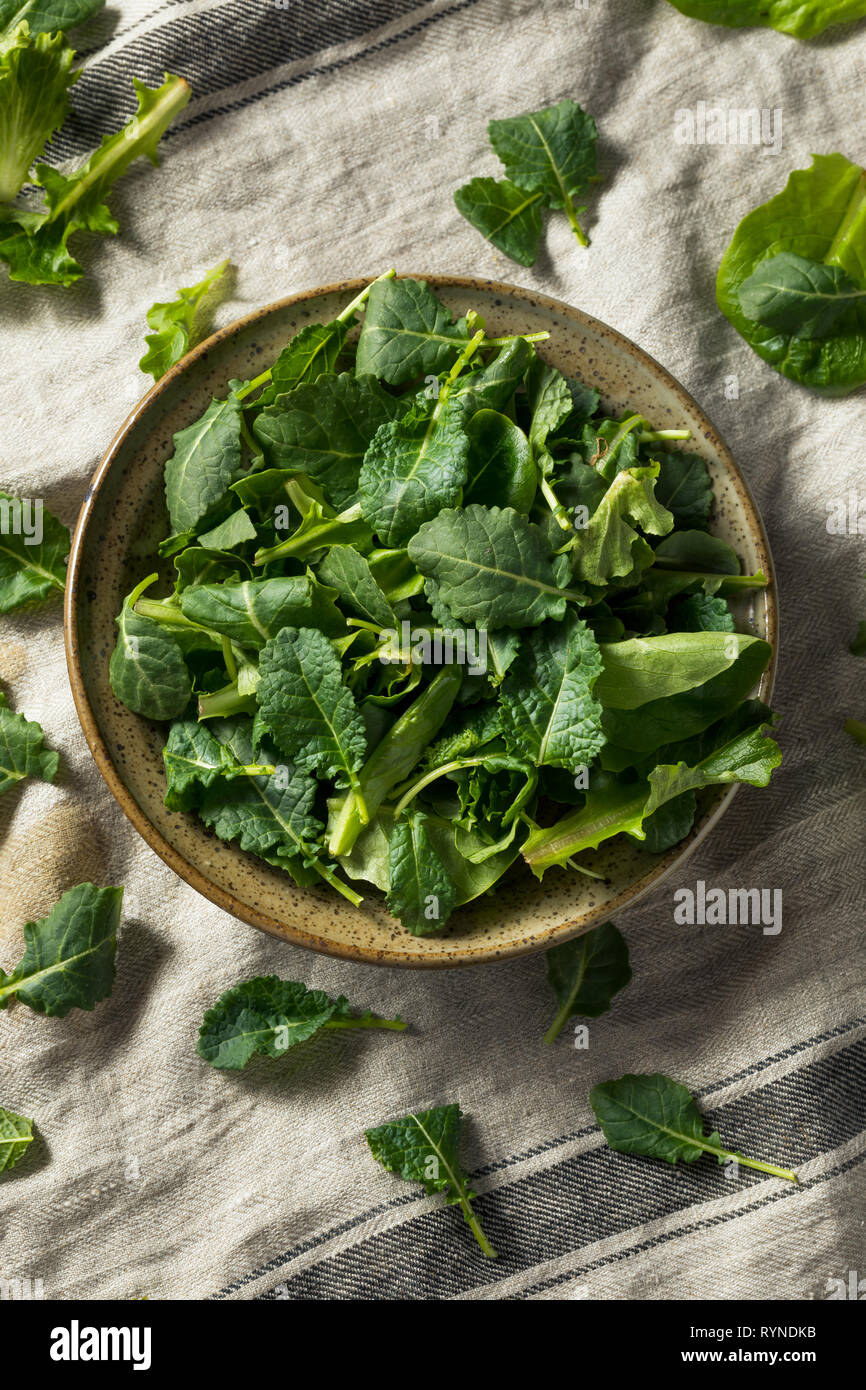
{"x": 324, "y": 140}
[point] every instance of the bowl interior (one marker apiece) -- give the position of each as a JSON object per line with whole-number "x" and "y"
{"x": 124, "y": 517}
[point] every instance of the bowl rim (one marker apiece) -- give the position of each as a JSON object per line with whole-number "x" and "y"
{"x": 226, "y": 900}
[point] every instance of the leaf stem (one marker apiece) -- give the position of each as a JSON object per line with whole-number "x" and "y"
{"x": 657, "y": 436}
{"x": 454, "y": 766}
{"x": 475, "y": 1227}
{"x": 370, "y": 1021}
{"x": 770, "y": 1168}
{"x": 555, "y": 505}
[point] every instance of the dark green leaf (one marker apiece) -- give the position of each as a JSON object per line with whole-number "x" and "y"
{"x": 501, "y": 468}
{"x": 32, "y": 565}
{"x": 550, "y": 151}
{"x": 425, "y": 1148}
{"x": 147, "y": 669}
{"x": 206, "y": 459}
{"x": 684, "y": 487}
{"x": 585, "y": 974}
{"x": 413, "y": 468}
{"x": 254, "y": 610}
{"x": 508, "y": 216}
{"x": 407, "y": 332}
{"x": 21, "y": 751}
{"x": 421, "y": 893}
{"x": 548, "y": 709}
{"x": 349, "y": 573}
{"x": 68, "y": 961}
{"x": 309, "y": 710}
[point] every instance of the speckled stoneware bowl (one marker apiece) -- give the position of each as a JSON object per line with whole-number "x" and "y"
{"x": 123, "y": 518}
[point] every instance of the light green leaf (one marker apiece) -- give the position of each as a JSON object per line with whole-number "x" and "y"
{"x": 610, "y": 545}
{"x": 178, "y": 324}
{"x": 35, "y": 77}
{"x": 653, "y": 668}
{"x": 16, "y": 1133}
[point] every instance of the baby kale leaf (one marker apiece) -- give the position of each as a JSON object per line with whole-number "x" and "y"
{"x": 179, "y": 323}
{"x": 30, "y": 572}
{"x": 747, "y": 755}
{"x": 323, "y": 429}
{"x": 147, "y": 670}
{"x": 701, "y": 613}
{"x": 492, "y": 566}
{"x": 685, "y": 489}
{"x": 658, "y": 1117}
{"x": 818, "y": 216}
{"x": 47, "y": 16}
{"x": 585, "y": 974}
{"x": 193, "y": 759}
{"x": 255, "y": 610}
{"x": 803, "y": 18}
{"x": 270, "y": 1015}
{"x": 207, "y": 458}
{"x": 421, "y": 893}
{"x": 413, "y": 468}
{"x": 68, "y": 962}
{"x": 610, "y": 545}
{"x": 798, "y": 296}
{"x": 35, "y": 244}
{"x": 549, "y": 713}
{"x": 16, "y": 1133}
{"x": 35, "y": 77}
{"x": 21, "y": 751}
{"x": 310, "y": 712}
{"x": 349, "y": 573}
{"x": 501, "y": 468}
{"x": 424, "y": 1148}
{"x": 552, "y": 152}
{"x": 508, "y": 216}
{"x": 491, "y": 387}
{"x": 407, "y": 332}
{"x": 644, "y": 669}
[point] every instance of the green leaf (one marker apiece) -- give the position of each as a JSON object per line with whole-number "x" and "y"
{"x": 644, "y": 669}
{"x": 670, "y": 823}
{"x": 657, "y": 1117}
{"x": 35, "y": 245}
{"x": 549, "y": 713}
{"x": 820, "y": 215}
{"x": 255, "y": 610}
{"x": 425, "y": 1148}
{"x": 16, "y": 1133}
{"x": 312, "y": 353}
{"x": 702, "y": 613}
{"x": 32, "y": 566}
{"x": 550, "y": 403}
{"x": 804, "y": 19}
{"x": 633, "y": 732}
{"x": 550, "y": 151}
{"x": 685, "y": 489}
{"x": 407, "y": 332}
{"x": 506, "y": 215}
{"x": 270, "y": 815}
{"x": 179, "y": 324}
{"x": 858, "y": 646}
{"x": 349, "y": 573}
{"x": 585, "y": 974}
{"x": 207, "y": 458}
{"x": 421, "y": 894}
{"x": 270, "y": 1015}
{"x": 193, "y": 759}
{"x": 492, "y": 387}
{"x": 147, "y": 670}
{"x": 798, "y": 296}
{"x": 202, "y": 565}
{"x": 610, "y": 546}
{"x": 309, "y": 710}
{"x": 47, "y": 16}
{"x": 747, "y": 755}
{"x": 35, "y": 77}
{"x": 323, "y": 429}
{"x": 21, "y": 751}
{"x": 413, "y": 468}
{"x": 492, "y": 565}
{"x": 501, "y": 468}
{"x": 68, "y": 961}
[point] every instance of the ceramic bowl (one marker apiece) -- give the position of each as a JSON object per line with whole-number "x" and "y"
{"x": 123, "y": 518}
